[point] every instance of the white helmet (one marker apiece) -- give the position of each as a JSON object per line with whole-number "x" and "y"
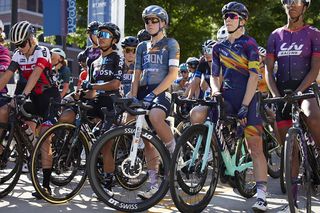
{"x": 222, "y": 33}
{"x": 59, "y": 52}
{"x": 262, "y": 51}
{"x": 20, "y": 32}
{"x": 1, "y": 26}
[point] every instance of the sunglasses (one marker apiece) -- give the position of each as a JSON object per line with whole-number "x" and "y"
{"x": 296, "y": 2}
{"x": 231, "y": 16}
{"x": 184, "y": 71}
{"x": 22, "y": 45}
{"x": 104, "y": 35}
{"x": 130, "y": 50}
{"x": 153, "y": 20}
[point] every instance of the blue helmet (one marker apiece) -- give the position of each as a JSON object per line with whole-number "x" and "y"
{"x": 129, "y": 41}
{"x": 183, "y": 67}
{"x": 236, "y": 7}
{"x": 155, "y": 10}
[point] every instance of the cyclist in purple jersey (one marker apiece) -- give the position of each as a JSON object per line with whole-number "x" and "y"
{"x": 235, "y": 65}
{"x": 156, "y": 67}
{"x": 296, "y": 49}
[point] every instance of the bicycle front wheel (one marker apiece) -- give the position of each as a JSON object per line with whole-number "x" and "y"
{"x": 131, "y": 193}
{"x": 68, "y": 153}
{"x": 191, "y": 187}
{"x": 297, "y": 172}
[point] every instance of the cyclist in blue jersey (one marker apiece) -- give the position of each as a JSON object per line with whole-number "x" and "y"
{"x": 182, "y": 82}
{"x": 129, "y": 45}
{"x": 156, "y": 67}
{"x": 192, "y": 63}
{"x": 236, "y": 60}
{"x": 296, "y": 49}
{"x": 203, "y": 72}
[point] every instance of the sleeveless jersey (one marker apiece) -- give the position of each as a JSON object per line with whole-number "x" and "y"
{"x": 154, "y": 61}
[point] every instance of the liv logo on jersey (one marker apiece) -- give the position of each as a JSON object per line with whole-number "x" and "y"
{"x": 293, "y": 49}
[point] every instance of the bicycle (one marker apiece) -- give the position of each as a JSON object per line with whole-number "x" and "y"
{"x": 204, "y": 151}
{"x": 16, "y": 145}
{"x": 133, "y": 167}
{"x": 300, "y": 142}
{"x": 70, "y": 145}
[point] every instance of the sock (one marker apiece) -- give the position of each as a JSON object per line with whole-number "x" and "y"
{"x": 261, "y": 190}
{"x": 171, "y": 145}
{"x": 153, "y": 175}
{"x": 46, "y": 178}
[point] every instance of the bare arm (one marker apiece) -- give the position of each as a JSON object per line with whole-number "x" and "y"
{"x": 194, "y": 86}
{"x": 311, "y": 76}
{"x": 270, "y": 78}
{"x": 167, "y": 81}
{"x": 215, "y": 83}
{"x": 135, "y": 82}
{"x": 5, "y": 78}
{"x": 251, "y": 88}
{"x": 64, "y": 89}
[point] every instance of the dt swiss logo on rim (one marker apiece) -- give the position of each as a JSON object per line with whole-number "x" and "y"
{"x": 292, "y": 49}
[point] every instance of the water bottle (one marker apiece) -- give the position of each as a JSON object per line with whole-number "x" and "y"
{"x": 29, "y": 133}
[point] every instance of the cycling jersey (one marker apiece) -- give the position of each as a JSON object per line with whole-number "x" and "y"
{"x": 154, "y": 60}
{"x": 293, "y": 51}
{"x": 64, "y": 76}
{"x": 92, "y": 54}
{"x": 262, "y": 84}
{"x": 127, "y": 78}
{"x": 182, "y": 82}
{"x": 236, "y": 60}
{"x": 4, "y": 63}
{"x": 105, "y": 69}
{"x": 204, "y": 70}
{"x": 40, "y": 58}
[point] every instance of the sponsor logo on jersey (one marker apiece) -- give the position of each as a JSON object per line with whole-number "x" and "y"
{"x": 290, "y": 49}
{"x": 153, "y": 58}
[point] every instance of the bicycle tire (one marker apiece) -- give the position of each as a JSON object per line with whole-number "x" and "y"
{"x": 9, "y": 181}
{"x": 247, "y": 190}
{"x": 282, "y": 179}
{"x": 61, "y": 196}
{"x": 114, "y": 201}
{"x": 292, "y": 144}
{"x": 176, "y": 180}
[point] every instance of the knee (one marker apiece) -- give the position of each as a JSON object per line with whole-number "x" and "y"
{"x": 198, "y": 115}
{"x": 255, "y": 147}
{"x": 157, "y": 116}
{"x": 4, "y": 112}
{"x": 67, "y": 117}
{"x": 313, "y": 121}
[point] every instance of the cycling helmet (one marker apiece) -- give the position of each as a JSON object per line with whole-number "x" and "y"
{"x": 155, "y": 10}
{"x": 20, "y": 32}
{"x": 208, "y": 43}
{"x": 59, "y": 52}
{"x": 222, "y": 33}
{"x": 306, "y": 2}
{"x": 143, "y": 35}
{"x": 236, "y": 7}
{"x": 183, "y": 67}
{"x": 82, "y": 58}
{"x": 129, "y": 41}
{"x": 114, "y": 29}
{"x": 262, "y": 51}
{"x": 192, "y": 62}
{"x": 92, "y": 26}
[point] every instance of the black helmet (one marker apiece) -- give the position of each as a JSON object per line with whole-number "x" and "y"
{"x": 143, "y": 35}
{"x": 155, "y": 10}
{"x": 92, "y": 26}
{"x": 306, "y": 2}
{"x": 237, "y": 8}
{"x": 82, "y": 57}
{"x": 193, "y": 62}
{"x": 129, "y": 41}
{"x": 114, "y": 29}
{"x": 20, "y": 32}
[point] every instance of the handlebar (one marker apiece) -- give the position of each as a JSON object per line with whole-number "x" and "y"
{"x": 127, "y": 104}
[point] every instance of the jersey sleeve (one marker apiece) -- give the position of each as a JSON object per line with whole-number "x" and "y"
{"x": 118, "y": 72}
{"x": 215, "y": 67}
{"x": 174, "y": 53}
{"x": 66, "y": 75}
{"x": 43, "y": 58}
{"x": 315, "y": 39}
{"x": 201, "y": 69}
{"x": 271, "y": 46}
{"x": 253, "y": 56}
{"x": 138, "y": 62}
{"x": 4, "y": 59}
{"x": 14, "y": 65}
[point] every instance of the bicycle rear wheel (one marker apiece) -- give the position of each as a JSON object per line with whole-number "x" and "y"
{"x": 69, "y": 163}
{"x": 11, "y": 161}
{"x": 126, "y": 198}
{"x": 192, "y": 189}
{"x": 301, "y": 183}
